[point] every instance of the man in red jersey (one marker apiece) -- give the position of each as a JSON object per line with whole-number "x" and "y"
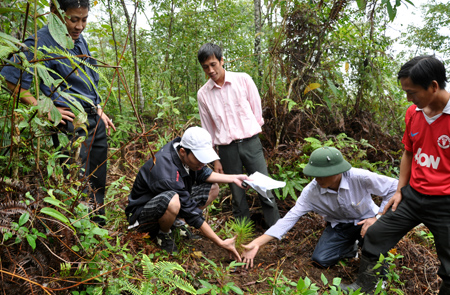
{"x": 423, "y": 193}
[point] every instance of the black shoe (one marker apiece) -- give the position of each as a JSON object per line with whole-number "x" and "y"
{"x": 101, "y": 222}
{"x": 167, "y": 242}
{"x": 352, "y": 253}
{"x": 98, "y": 217}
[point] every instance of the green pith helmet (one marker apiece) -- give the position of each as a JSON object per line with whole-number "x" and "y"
{"x": 326, "y": 161}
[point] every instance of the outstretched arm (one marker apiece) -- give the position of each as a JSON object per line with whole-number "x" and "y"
{"x": 227, "y": 244}
{"x": 227, "y": 178}
{"x": 252, "y": 249}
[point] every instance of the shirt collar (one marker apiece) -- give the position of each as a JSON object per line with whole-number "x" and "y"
{"x": 213, "y": 84}
{"x": 343, "y": 185}
{"x": 176, "y": 158}
{"x": 446, "y": 109}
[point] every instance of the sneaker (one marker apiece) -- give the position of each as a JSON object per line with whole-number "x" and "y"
{"x": 167, "y": 242}
{"x": 185, "y": 232}
{"x": 180, "y": 224}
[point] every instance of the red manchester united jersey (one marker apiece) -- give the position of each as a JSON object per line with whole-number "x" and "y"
{"x": 430, "y": 145}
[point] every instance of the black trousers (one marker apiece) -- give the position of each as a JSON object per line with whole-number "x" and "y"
{"x": 415, "y": 208}
{"x": 93, "y": 152}
{"x": 337, "y": 243}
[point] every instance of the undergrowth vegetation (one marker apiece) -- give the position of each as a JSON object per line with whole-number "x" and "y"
{"x": 324, "y": 79}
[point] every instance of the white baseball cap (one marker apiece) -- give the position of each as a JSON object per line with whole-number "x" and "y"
{"x": 199, "y": 141}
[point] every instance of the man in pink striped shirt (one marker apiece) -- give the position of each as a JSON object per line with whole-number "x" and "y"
{"x": 230, "y": 109}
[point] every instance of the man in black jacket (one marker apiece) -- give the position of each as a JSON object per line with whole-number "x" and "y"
{"x": 179, "y": 184}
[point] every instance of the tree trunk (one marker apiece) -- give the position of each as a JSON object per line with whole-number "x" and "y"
{"x": 257, "y": 4}
{"x": 137, "y": 80}
{"x": 169, "y": 39}
{"x": 111, "y": 23}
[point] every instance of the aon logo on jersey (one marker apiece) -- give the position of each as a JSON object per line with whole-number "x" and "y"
{"x": 424, "y": 160}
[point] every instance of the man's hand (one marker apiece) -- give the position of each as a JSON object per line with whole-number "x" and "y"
{"x": 66, "y": 114}
{"x": 228, "y": 245}
{"x": 108, "y": 122}
{"x": 366, "y": 223}
{"x": 249, "y": 254}
{"x": 239, "y": 179}
{"x": 394, "y": 201}
{"x": 218, "y": 167}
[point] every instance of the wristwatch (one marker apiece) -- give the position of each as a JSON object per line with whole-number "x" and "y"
{"x": 99, "y": 106}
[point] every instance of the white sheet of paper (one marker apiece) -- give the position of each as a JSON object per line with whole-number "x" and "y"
{"x": 262, "y": 183}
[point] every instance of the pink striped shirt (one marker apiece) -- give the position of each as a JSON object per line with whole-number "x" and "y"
{"x": 232, "y": 111}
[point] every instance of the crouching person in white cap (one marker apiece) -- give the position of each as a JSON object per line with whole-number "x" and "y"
{"x": 178, "y": 184}
{"x": 343, "y": 196}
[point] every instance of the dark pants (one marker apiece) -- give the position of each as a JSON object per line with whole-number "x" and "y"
{"x": 93, "y": 153}
{"x": 415, "y": 208}
{"x": 249, "y": 154}
{"x": 337, "y": 243}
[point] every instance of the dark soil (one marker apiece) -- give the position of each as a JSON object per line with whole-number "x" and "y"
{"x": 290, "y": 258}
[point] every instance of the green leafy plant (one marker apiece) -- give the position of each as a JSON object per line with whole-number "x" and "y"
{"x": 388, "y": 283}
{"x": 22, "y": 232}
{"x": 222, "y": 276}
{"x": 427, "y": 236}
{"x": 293, "y": 179}
{"x": 280, "y": 284}
{"x": 241, "y": 228}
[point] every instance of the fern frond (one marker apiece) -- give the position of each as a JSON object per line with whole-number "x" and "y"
{"x": 166, "y": 267}
{"x": 4, "y": 229}
{"x": 164, "y": 271}
{"x": 180, "y": 283}
{"x": 127, "y": 286}
{"x": 13, "y": 207}
{"x": 78, "y": 62}
{"x": 150, "y": 288}
{"x": 10, "y": 40}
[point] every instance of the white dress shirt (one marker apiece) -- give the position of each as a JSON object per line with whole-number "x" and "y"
{"x": 351, "y": 203}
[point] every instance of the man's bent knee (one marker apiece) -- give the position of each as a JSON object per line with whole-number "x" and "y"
{"x": 174, "y": 205}
{"x": 214, "y": 192}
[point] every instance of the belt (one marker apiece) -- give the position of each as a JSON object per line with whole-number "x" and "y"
{"x": 90, "y": 110}
{"x": 244, "y": 139}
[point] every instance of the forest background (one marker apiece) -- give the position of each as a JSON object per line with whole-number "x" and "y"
{"x": 326, "y": 71}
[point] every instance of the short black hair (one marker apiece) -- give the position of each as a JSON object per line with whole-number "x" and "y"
{"x": 67, "y": 4}
{"x": 424, "y": 69}
{"x": 188, "y": 151}
{"x": 208, "y": 50}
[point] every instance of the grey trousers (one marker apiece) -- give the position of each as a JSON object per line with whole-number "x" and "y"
{"x": 415, "y": 208}
{"x": 249, "y": 154}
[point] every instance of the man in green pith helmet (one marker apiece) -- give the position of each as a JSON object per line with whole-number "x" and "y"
{"x": 343, "y": 196}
